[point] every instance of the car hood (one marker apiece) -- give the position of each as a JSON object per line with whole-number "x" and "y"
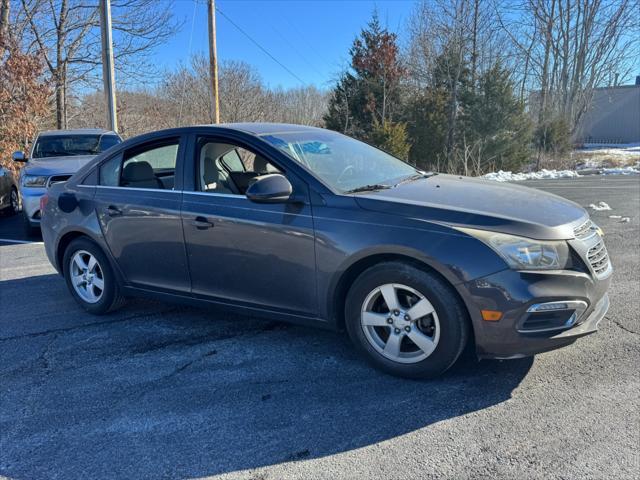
{"x": 56, "y": 165}
{"x": 488, "y": 205}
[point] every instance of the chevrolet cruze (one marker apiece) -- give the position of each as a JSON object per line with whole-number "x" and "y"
{"x": 308, "y": 225}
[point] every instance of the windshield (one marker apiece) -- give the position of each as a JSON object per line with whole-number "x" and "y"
{"x": 69, "y": 145}
{"x": 343, "y": 163}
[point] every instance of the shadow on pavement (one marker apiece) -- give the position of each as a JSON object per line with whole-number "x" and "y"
{"x": 161, "y": 391}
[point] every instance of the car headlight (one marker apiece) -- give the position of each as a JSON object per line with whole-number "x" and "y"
{"x": 34, "y": 181}
{"x": 522, "y": 253}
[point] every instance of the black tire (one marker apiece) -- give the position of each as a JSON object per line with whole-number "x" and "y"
{"x": 14, "y": 202}
{"x": 30, "y": 230}
{"x": 111, "y": 298}
{"x": 452, "y": 316}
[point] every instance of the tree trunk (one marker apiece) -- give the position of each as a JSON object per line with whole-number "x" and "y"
{"x": 549, "y": 18}
{"x": 474, "y": 44}
{"x": 60, "y": 102}
{"x": 4, "y": 22}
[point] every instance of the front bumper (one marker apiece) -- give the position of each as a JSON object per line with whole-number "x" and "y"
{"x": 513, "y": 293}
{"x": 30, "y": 197}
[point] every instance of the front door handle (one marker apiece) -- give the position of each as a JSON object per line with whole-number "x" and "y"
{"x": 201, "y": 223}
{"x": 113, "y": 211}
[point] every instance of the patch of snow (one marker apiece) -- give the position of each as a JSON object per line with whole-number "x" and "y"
{"x": 620, "y": 171}
{"x": 600, "y": 206}
{"x": 502, "y": 176}
{"x": 615, "y": 216}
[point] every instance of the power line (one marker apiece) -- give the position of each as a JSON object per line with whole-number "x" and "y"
{"x": 260, "y": 46}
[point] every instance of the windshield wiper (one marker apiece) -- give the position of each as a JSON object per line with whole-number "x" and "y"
{"x": 416, "y": 176}
{"x": 368, "y": 188}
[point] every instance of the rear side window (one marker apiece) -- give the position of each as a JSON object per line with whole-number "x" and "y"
{"x": 110, "y": 172}
{"x": 150, "y": 167}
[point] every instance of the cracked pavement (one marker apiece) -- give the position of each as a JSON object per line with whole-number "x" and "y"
{"x": 163, "y": 391}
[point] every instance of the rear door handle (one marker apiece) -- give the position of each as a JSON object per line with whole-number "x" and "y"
{"x": 113, "y": 211}
{"x": 201, "y": 223}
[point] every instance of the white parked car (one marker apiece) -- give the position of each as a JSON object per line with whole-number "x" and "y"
{"x": 55, "y": 156}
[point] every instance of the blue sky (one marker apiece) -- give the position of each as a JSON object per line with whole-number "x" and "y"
{"x": 310, "y": 37}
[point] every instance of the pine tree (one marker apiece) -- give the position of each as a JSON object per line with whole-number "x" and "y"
{"x": 366, "y": 99}
{"x": 497, "y": 121}
{"x": 392, "y": 138}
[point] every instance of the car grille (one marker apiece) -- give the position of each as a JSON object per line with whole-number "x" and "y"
{"x": 593, "y": 248}
{"x": 598, "y": 258}
{"x": 58, "y": 179}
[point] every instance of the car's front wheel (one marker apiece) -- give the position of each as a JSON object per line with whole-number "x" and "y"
{"x": 90, "y": 278}
{"x": 407, "y": 321}
{"x": 14, "y": 201}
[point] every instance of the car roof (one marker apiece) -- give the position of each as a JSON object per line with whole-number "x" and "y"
{"x": 264, "y": 128}
{"x": 78, "y": 131}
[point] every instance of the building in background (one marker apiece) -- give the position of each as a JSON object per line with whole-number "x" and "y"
{"x": 614, "y": 116}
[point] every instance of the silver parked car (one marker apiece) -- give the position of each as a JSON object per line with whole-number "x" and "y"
{"x": 55, "y": 156}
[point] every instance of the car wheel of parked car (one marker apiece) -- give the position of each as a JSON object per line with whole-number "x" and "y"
{"x": 90, "y": 277}
{"x": 406, "y": 320}
{"x": 14, "y": 202}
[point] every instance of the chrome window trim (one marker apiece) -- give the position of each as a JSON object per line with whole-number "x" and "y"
{"x": 108, "y": 187}
{"x": 208, "y": 194}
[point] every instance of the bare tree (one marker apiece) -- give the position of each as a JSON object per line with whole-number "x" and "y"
{"x": 67, "y": 33}
{"x": 571, "y": 47}
{"x": 182, "y": 98}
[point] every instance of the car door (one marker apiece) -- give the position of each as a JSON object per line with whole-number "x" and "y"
{"x": 138, "y": 202}
{"x": 242, "y": 252}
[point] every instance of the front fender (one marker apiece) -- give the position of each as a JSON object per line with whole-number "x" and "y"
{"x": 343, "y": 245}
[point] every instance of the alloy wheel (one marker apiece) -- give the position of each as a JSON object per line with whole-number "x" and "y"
{"x": 87, "y": 277}
{"x": 400, "y": 323}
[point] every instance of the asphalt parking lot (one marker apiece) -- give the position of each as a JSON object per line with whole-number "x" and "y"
{"x": 163, "y": 391}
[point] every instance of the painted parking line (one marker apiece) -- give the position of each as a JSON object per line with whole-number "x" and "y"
{"x": 9, "y": 240}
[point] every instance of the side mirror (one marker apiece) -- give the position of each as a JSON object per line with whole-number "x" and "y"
{"x": 271, "y": 188}
{"x": 19, "y": 157}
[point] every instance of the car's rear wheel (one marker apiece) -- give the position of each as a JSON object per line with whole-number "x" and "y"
{"x": 407, "y": 321}
{"x": 90, "y": 278}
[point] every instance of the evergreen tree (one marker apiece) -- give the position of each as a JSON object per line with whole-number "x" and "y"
{"x": 366, "y": 99}
{"x": 392, "y": 138}
{"x": 498, "y": 124}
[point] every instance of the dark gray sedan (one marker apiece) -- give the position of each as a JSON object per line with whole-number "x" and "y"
{"x": 307, "y": 225}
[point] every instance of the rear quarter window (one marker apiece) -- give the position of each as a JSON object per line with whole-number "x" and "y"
{"x": 110, "y": 172}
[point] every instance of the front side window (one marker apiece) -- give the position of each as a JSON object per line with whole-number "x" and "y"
{"x": 342, "y": 162}
{"x": 71, "y": 145}
{"x": 151, "y": 167}
{"x": 228, "y": 169}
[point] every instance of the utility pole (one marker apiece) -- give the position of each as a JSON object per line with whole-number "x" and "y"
{"x": 108, "y": 75}
{"x": 213, "y": 63}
